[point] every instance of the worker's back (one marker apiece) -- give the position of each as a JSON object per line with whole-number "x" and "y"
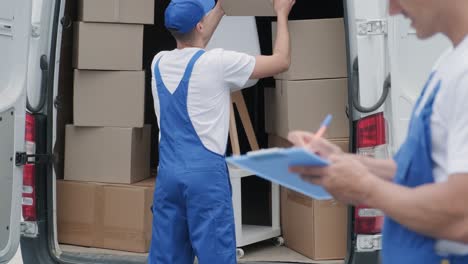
{"x": 215, "y": 74}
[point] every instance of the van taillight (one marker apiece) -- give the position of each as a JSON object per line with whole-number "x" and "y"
{"x": 368, "y": 220}
{"x": 371, "y": 140}
{"x": 371, "y": 131}
{"x": 29, "y": 172}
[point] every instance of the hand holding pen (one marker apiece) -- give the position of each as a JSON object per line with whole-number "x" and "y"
{"x": 314, "y": 141}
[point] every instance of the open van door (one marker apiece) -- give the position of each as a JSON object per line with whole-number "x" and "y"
{"x": 15, "y": 31}
{"x": 411, "y": 62}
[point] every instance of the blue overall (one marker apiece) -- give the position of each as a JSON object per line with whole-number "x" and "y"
{"x": 192, "y": 205}
{"x": 401, "y": 245}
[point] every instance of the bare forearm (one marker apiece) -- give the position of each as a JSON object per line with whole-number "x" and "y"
{"x": 436, "y": 210}
{"x": 215, "y": 17}
{"x": 282, "y": 47}
{"x": 267, "y": 66}
{"x": 385, "y": 169}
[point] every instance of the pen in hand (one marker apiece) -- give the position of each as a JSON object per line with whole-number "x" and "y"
{"x": 323, "y": 127}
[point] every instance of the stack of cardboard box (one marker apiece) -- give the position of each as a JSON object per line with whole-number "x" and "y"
{"x": 105, "y": 198}
{"x": 314, "y": 86}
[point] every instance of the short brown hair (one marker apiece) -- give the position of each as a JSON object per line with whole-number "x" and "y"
{"x": 183, "y": 37}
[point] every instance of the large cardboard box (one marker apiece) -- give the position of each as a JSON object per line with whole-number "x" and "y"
{"x": 116, "y": 11}
{"x": 103, "y": 46}
{"x": 318, "y": 49}
{"x": 107, "y": 154}
{"x": 104, "y": 215}
{"x": 109, "y": 98}
{"x": 302, "y": 105}
{"x": 249, "y": 8}
{"x": 316, "y": 229}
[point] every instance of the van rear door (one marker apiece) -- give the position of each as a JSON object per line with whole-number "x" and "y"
{"x": 411, "y": 61}
{"x": 15, "y": 30}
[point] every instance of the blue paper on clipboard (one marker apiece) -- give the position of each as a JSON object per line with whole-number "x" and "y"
{"x": 273, "y": 165}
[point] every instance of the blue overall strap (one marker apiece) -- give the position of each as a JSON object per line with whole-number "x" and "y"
{"x": 187, "y": 73}
{"x": 191, "y": 64}
{"x": 400, "y": 244}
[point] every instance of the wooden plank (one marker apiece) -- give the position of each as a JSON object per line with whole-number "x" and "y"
{"x": 238, "y": 100}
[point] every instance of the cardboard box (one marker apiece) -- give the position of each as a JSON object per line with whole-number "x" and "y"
{"x": 150, "y": 182}
{"x": 109, "y": 98}
{"x": 104, "y": 215}
{"x": 318, "y": 49}
{"x": 302, "y": 105}
{"x": 116, "y": 11}
{"x": 101, "y": 46}
{"x": 107, "y": 154}
{"x": 249, "y": 8}
{"x": 316, "y": 229}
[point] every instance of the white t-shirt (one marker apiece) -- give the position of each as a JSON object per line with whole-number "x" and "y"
{"x": 215, "y": 75}
{"x": 449, "y": 124}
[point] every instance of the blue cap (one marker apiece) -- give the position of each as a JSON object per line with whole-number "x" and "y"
{"x": 183, "y": 15}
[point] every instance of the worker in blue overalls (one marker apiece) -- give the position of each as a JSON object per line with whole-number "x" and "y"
{"x": 424, "y": 189}
{"x": 192, "y": 206}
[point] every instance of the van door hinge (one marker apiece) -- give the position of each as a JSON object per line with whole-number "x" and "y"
{"x": 22, "y": 158}
{"x": 372, "y": 27}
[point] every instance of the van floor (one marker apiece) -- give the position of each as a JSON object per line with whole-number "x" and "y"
{"x": 262, "y": 252}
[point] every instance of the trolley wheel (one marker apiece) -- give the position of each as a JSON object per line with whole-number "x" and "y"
{"x": 278, "y": 241}
{"x": 240, "y": 253}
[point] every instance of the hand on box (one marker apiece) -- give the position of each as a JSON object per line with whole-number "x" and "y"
{"x": 346, "y": 179}
{"x": 321, "y": 146}
{"x": 283, "y": 7}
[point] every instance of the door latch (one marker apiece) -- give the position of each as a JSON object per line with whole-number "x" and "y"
{"x": 372, "y": 27}
{"x": 22, "y": 158}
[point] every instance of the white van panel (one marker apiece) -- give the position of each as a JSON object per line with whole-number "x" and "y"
{"x": 372, "y": 52}
{"x": 411, "y": 61}
{"x": 15, "y": 29}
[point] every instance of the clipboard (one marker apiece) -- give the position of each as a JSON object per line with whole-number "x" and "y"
{"x": 273, "y": 165}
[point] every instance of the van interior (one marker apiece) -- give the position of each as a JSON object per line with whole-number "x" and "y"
{"x": 256, "y": 204}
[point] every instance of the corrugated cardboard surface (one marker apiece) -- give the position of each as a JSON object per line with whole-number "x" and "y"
{"x": 249, "y": 8}
{"x": 103, "y": 46}
{"x": 150, "y": 182}
{"x": 318, "y": 49}
{"x": 104, "y": 215}
{"x": 106, "y": 154}
{"x": 316, "y": 229}
{"x": 116, "y": 11}
{"x": 109, "y": 98}
{"x": 302, "y": 105}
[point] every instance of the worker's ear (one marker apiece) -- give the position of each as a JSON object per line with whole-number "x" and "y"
{"x": 200, "y": 27}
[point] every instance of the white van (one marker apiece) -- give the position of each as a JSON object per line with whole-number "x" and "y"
{"x": 387, "y": 67}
